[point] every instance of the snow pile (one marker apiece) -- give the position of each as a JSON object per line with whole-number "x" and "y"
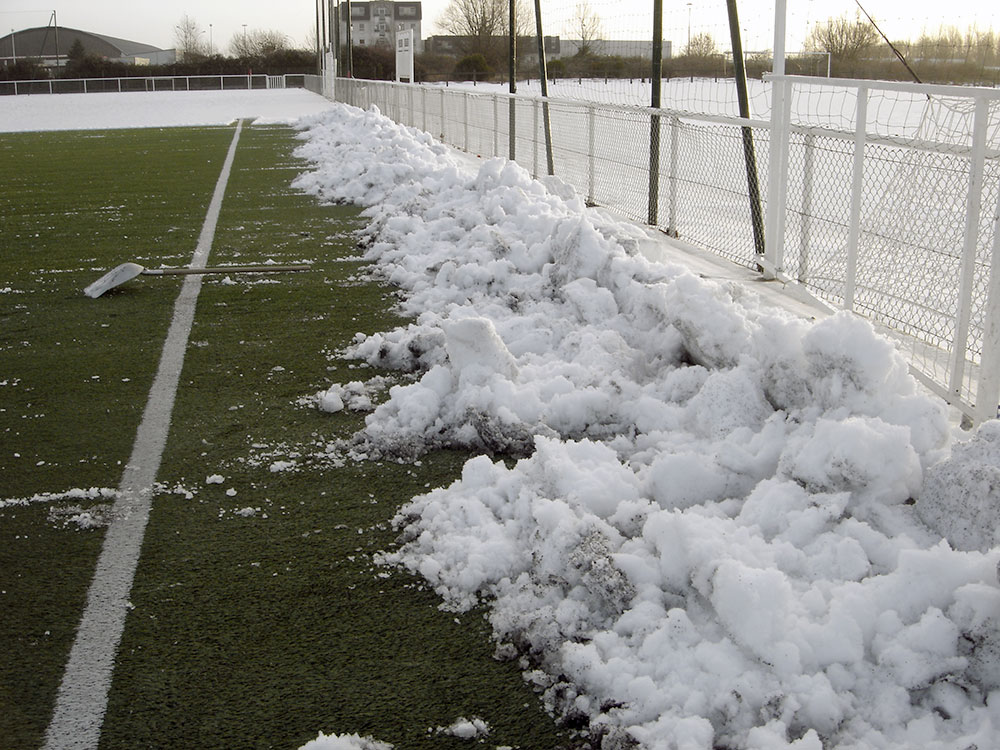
{"x": 710, "y": 538}
{"x": 345, "y": 742}
{"x": 961, "y": 496}
{"x": 466, "y": 729}
{"x": 355, "y": 396}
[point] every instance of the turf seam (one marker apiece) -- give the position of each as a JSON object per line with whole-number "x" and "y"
{"x": 83, "y": 693}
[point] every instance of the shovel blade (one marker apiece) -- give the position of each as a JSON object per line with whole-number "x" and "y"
{"x": 115, "y": 277}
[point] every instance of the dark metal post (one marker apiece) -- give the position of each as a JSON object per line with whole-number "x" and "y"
{"x": 55, "y": 27}
{"x": 349, "y": 68}
{"x": 544, "y": 75}
{"x": 749, "y": 155}
{"x": 319, "y": 37}
{"x": 512, "y": 77}
{"x": 654, "y": 120}
{"x": 337, "y": 51}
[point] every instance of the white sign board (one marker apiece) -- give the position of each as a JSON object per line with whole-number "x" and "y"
{"x": 404, "y": 56}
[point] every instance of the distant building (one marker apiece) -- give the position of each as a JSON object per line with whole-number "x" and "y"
{"x": 616, "y": 48}
{"x": 51, "y": 45}
{"x": 375, "y": 23}
{"x": 555, "y": 47}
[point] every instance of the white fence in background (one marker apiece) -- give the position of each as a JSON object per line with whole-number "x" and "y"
{"x": 155, "y": 83}
{"x": 884, "y": 198}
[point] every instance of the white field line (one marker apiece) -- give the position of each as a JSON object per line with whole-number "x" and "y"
{"x": 83, "y": 694}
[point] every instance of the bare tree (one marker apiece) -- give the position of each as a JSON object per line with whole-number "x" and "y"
{"x": 702, "y": 45}
{"x": 586, "y": 26}
{"x": 844, "y": 39}
{"x": 481, "y": 25}
{"x": 189, "y": 39}
{"x": 257, "y": 43}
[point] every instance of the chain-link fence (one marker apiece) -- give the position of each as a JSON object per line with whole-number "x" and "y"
{"x": 891, "y": 211}
{"x": 887, "y": 198}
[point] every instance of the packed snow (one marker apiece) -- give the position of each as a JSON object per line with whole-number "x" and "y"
{"x": 345, "y": 742}
{"x": 714, "y": 535}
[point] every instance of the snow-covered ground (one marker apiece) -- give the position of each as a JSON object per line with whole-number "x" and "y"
{"x": 154, "y": 109}
{"x": 726, "y": 526}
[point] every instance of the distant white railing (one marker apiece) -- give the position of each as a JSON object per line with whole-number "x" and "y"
{"x": 156, "y": 83}
{"x": 886, "y": 202}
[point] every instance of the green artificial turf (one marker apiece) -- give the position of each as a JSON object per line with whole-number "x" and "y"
{"x": 74, "y": 372}
{"x": 259, "y": 615}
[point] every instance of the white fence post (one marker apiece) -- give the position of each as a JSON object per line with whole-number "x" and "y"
{"x": 777, "y": 168}
{"x": 805, "y": 231}
{"x": 857, "y": 184}
{"x": 675, "y": 134}
{"x": 534, "y": 140}
{"x": 774, "y": 219}
{"x": 496, "y": 127}
{"x": 591, "y": 153}
{"x": 988, "y": 391}
{"x": 465, "y": 118}
{"x": 973, "y": 208}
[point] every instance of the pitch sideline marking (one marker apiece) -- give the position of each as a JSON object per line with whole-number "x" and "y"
{"x": 83, "y": 693}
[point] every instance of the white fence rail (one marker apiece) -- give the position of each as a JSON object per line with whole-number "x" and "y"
{"x": 157, "y": 83}
{"x": 885, "y": 202}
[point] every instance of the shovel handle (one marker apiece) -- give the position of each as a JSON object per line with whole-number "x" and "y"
{"x": 223, "y": 269}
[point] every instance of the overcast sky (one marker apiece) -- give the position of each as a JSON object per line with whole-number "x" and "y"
{"x": 153, "y": 21}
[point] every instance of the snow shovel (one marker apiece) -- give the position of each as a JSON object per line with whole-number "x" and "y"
{"x": 128, "y": 271}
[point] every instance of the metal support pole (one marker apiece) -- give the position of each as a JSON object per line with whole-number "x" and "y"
{"x": 805, "y": 233}
{"x": 749, "y": 155}
{"x": 534, "y": 139}
{"x": 55, "y": 26}
{"x": 778, "y": 150}
{"x": 675, "y": 135}
{"x": 496, "y": 127}
{"x": 512, "y": 82}
{"x": 591, "y": 151}
{"x": 349, "y": 67}
{"x": 857, "y": 182}
{"x": 654, "y": 120}
{"x": 465, "y": 121}
{"x": 337, "y": 51}
{"x": 973, "y": 210}
{"x": 544, "y": 76}
{"x": 988, "y": 392}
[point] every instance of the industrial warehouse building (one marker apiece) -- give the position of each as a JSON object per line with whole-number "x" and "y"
{"x": 51, "y": 45}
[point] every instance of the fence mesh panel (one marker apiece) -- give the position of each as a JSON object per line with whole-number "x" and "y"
{"x": 904, "y": 236}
